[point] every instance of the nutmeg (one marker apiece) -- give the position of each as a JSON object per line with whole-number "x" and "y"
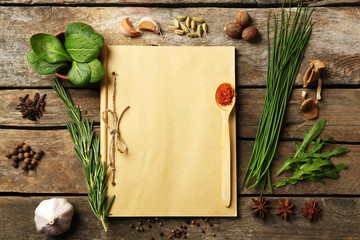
{"x": 233, "y": 30}
{"x": 250, "y": 34}
{"x": 243, "y": 18}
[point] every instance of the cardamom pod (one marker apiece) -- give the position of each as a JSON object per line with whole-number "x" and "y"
{"x": 176, "y": 24}
{"x": 184, "y": 28}
{"x": 205, "y": 27}
{"x": 181, "y": 18}
{"x": 199, "y": 30}
{"x": 173, "y": 28}
{"x": 193, "y": 35}
{"x": 198, "y": 19}
{"x": 187, "y": 22}
{"x": 193, "y": 25}
{"x": 179, "y": 32}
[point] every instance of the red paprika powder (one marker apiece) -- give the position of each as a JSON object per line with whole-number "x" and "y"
{"x": 225, "y": 94}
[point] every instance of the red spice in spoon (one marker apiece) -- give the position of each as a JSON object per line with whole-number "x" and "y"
{"x": 225, "y": 94}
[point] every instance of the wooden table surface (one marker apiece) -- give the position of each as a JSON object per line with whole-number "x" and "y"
{"x": 335, "y": 40}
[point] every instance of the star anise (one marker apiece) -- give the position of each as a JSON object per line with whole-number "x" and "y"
{"x": 310, "y": 211}
{"x": 260, "y": 207}
{"x": 285, "y": 209}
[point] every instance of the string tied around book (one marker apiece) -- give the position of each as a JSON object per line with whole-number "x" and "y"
{"x": 117, "y": 142}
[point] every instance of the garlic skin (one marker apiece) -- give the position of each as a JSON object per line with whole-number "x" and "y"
{"x": 127, "y": 29}
{"x": 53, "y": 216}
{"x": 148, "y": 23}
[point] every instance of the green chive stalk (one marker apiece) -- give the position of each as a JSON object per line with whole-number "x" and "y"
{"x": 87, "y": 149}
{"x": 284, "y": 59}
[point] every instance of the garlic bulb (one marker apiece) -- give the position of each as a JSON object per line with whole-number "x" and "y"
{"x": 53, "y": 216}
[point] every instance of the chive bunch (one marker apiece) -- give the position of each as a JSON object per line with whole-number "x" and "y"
{"x": 284, "y": 59}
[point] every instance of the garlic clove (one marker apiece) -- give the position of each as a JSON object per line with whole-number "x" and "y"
{"x": 127, "y": 29}
{"x": 148, "y": 23}
{"x": 53, "y": 216}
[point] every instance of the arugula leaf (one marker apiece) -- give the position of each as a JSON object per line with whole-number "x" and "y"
{"x": 312, "y": 165}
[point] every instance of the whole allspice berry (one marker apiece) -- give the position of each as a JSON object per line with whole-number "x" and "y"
{"x": 15, "y": 164}
{"x": 14, "y": 158}
{"x": 243, "y": 18}
{"x": 32, "y": 153}
{"x": 27, "y": 160}
{"x": 34, "y": 162}
{"x": 41, "y": 153}
{"x": 8, "y": 155}
{"x": 27, "y": 155}
{"x": 26, "y": 148}
{"x": 24, "y": 166}
{"x": 250, "y": 34}
{"x": 31, "y": 167}
{"x": 233, "y": 30}
{"x": 14, "y": 152}
{"x": 37, "y": 157}
{"x": 21, "y": 156}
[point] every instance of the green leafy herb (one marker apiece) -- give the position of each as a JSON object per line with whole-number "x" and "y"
{"x": 98, "y": 38}
{"x": 97, "y": 70}
{"x": 79, "y": 73}
{"x": 82, "y": 48}
{"x": 49, "y": 48}
{"x": 78, "y": 27}
{"x": 43, "y": 67}
{"x": 87, "y": 149}
{"x": 284, "y": 59}
{"x": 312, "y": 165}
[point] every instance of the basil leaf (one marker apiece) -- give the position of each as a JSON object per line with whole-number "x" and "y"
{"x": 82, "y": 48}
{"x": 80, "y": 28}
{"x": 98, "y": 38}
{"x": 49, "y": 48}
{"x": 43, "y": 67}
{"x": 97, "y": 70}
{"x": 79, "y": 73}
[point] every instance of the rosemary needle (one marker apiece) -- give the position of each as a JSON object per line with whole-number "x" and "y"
{"x": 87, "y": 149}
{"x": 284, "y": 59}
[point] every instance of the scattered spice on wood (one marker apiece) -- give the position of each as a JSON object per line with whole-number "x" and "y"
{"x": 311, "y": 211}
{"x": 225, "y": 94}
{"x": 285, "y": 209}
{"x": 22, "y": 153}
{"x": 179, "y": 232}
{"x": 32, "y": 109}
{"x": 260, "y": 207}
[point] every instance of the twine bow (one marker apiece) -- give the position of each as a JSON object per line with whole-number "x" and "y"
{"x": 117, "y": 142}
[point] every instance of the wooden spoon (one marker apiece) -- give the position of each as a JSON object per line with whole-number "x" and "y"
{"x": 226, "y": 153}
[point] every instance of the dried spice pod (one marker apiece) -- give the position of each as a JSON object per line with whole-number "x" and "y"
{"x": 243, "y": 18}
{"x": 181, "y": 18}
{"x": 198, "y": 19}
{"x": 184, "y": 28}
{"x": 205, "y": 27}
{"x": 193, "y": 25}
{"x": 177, "y": 24}
{"x": 188, "y": 22}
{"x": 173, "y": 28}
{"x": 179, "y": 32}
{"x": 311, "y": 211}
{"x": 260, "y": 207}
{"x": 199, "y": 30}
{"x": 193, "y": 35}
{"x": 250, "y": 34}
{"x": 233, "y": 30}
{"x": 285, "y": 209}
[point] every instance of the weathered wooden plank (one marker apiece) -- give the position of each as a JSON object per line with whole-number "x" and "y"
{"x": 337, "y": 107}
{"x": 63, "y": 173}
{"x": 339, "y": 220}
{"x": 245, "y": 3}
{"x": 334, "y": 39}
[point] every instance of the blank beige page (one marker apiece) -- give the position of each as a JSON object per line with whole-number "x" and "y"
{"x": 172, "y": 129}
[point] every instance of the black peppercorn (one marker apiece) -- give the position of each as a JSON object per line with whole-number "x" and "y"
{"x": 160, "y": 224}
{"x": 21, "y": 156}
{"x": 24, "y": 166}
{"x": 31, "y": 167}
{"x": 213, "y": 234}
{"x": 32, "y": 153}
{"x": 8, "y": 155}
{"x": 14, "y": 152}
{"x": 27, "y": 160}
{"x": 26, "y": 148}
{"x": 37, "y": 157}
{"x": 15, "y": 164}
{"x": 26, "y": 155}
{"x": 34, "y": 162}
{"x": 161, "y": 234}
{"x": 14, "y": 158}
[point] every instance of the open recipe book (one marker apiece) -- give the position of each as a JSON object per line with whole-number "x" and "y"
{"x": 172, "y": 129}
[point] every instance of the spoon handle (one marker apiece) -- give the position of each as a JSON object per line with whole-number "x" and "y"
{"x": 226, "y": 161}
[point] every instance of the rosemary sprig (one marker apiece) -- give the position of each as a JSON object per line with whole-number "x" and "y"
{"x": 284, "y": 59}
{"x": 87, "y": 149}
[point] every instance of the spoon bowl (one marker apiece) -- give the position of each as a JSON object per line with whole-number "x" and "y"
{"x": 226, "y": 153}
